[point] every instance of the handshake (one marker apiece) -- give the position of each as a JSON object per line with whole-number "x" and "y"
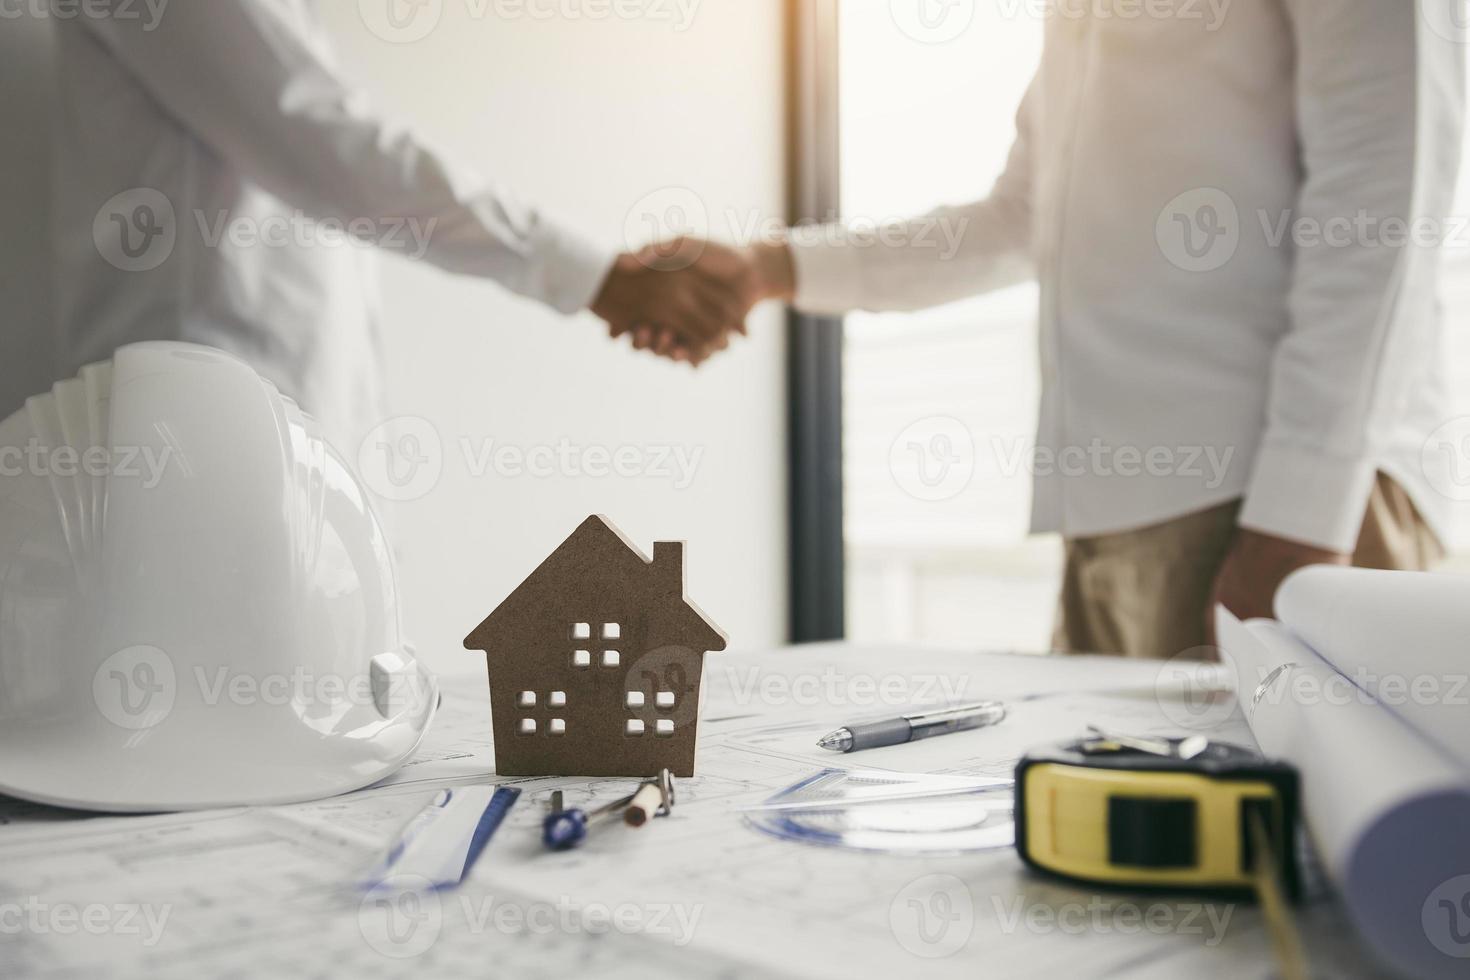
{"x": 685, "y": 298}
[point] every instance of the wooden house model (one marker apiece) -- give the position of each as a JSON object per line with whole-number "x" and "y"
{"x": 595, "y": 662}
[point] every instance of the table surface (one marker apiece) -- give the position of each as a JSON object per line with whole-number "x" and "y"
{"x": 267, "y": 891}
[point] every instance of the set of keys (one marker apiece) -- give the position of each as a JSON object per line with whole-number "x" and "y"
{"x": 564, "y": 829}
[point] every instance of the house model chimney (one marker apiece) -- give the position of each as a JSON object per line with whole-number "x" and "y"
{"x": 668, "y": 565}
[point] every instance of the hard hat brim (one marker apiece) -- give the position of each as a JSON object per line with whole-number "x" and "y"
{"x": 91, "y": 764}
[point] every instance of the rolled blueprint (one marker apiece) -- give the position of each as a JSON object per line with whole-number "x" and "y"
{"x": 1404, "y": 637}
{"x": 1388, "y": 812}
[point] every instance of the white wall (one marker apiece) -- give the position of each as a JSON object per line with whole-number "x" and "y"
{"x": 589, "y": 117}
{"x": 25, "y": 81}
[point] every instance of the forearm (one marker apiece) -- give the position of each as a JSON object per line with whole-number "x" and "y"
{"x": 248, "y": 81}
{"x": 947, "y": 255}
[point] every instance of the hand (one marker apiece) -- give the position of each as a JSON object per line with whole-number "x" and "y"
{"x": 742, "y": 277}
{"x": 681, "y": 299}
{"x": 760, "y": 272}
{"x": 1254, "y": 569}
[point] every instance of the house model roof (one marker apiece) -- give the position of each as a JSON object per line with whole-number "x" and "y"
{"x": 597, "y": 565}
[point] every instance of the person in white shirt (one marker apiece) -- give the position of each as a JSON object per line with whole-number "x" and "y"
{"x": 1232, "y": 227}
{"x": 175, "y": 131}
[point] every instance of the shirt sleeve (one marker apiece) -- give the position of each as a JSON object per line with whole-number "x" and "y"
{"x": 946, "y": 255}
{"x": 257, "y": 86}
{"x": 1379, "y": 99}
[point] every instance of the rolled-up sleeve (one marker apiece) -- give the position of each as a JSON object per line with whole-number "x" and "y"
{"x": 1379, "y": 101}
{"x": 943, "y": 256}
{"x": 253, "y": 84}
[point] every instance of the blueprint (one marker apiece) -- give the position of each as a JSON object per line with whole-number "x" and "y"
{"x": 267, "y": 891}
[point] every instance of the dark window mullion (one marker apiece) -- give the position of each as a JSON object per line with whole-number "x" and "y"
{"x": 815, "y": 344}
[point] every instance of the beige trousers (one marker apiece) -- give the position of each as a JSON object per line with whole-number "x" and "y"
{"x": 1145, "y": 593}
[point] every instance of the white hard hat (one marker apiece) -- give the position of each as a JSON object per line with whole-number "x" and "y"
{"x": 197, "y": 604}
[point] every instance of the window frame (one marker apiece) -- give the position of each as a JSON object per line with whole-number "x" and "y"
{"x": 817, "y": 579}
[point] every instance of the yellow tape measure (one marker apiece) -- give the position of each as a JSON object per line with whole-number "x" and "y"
{"x": 1147, "y": 813}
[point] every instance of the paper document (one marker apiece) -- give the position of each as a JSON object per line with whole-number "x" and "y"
{"x": 272, "y": 892}
{"x": 1404, "y": 637}
{"x": 1386, "y": 810}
